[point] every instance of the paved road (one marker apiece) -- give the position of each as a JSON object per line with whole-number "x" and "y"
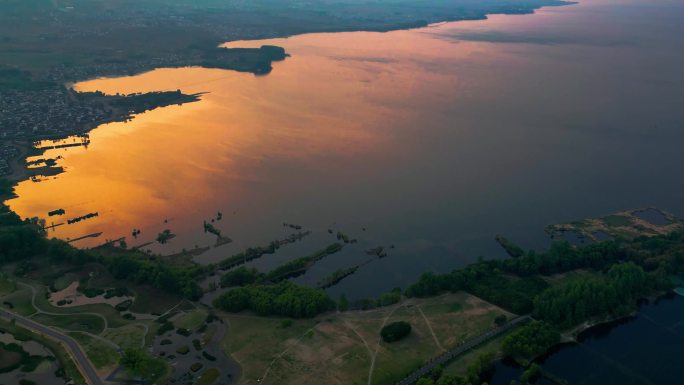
{"x": 230, "y": 369}
{"x": 73, "y": 348}
{"x": 460, "y": 349}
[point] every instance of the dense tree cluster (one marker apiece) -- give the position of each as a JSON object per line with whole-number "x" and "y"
{"x": 19, "y": 240}
{"x": 562, "y": 257}
{"x": 299, "y": 266}
{"x": 446, "y": 380}
{"x": 245, "y": 276}
{"x": 531, "y": 340}
{"x": 248, "y": 255}
{"x": 486, "y": 281}
{"x": 153, "y": 271}
{"x": 385, "y": 299}
{"x": 140, "y": 364}
{"x": 390, "y": 298}
{"x": 583, "y": 299}
{"x": 513, "y": 283}
{"x": 240, "y": 276}
{"x": 511, "y": 248}
{"x": 530, "y": 375}
{"x": 283, "y": 299}
{"x": 22, "y": 240}
{"x": 395, "y": 331}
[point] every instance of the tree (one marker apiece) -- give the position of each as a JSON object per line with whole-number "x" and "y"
{"x": 530, "y": 374}
{"x": 582, "y": 299}
{"x": 395, "y": 331}
{"x": 284, "y": 299}
{"x": 425, "y": 381}
{"x": 531, "y": 340}
{"x": 140, "y": 364}
{"x": 343, "y": 303}
{"x": 240, "y": 277}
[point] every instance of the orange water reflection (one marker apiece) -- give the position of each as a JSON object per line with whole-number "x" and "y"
{"x": 336, "y": 101}
{"x": 450, "y": 125}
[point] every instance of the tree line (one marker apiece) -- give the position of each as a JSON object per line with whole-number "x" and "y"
{"x": 282, "y": 299}
{"x": 606, "y": 295}
{"x": 513, "y": 283}
{"x": 23, "y": 240}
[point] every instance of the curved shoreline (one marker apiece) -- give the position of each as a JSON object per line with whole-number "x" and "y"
{"x": 577, "y": 335}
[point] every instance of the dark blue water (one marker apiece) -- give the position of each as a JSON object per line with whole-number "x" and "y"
{"x": 653, "y": 216}
{"x": 645, "y": 349}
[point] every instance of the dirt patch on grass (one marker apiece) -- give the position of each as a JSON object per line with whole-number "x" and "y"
{"x": 73, "y": 298}
{"x": 337, "y": 348}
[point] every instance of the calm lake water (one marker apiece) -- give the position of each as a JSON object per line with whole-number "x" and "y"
{"x": 646, "y": 349}
{"x": 433, "y": 140}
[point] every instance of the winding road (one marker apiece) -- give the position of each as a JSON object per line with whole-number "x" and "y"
{"x": 74, "y": 350}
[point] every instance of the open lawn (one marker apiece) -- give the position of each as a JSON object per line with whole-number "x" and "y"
{"x": 130, "y": 336}
{"x": 20, "y": 301}
{"x": 191, "y": 320}
{"x": 6, "y": 286}
{"x": 64, "y": 281}
{"x": 72, "y": 322}
{"x": 209, "y": 377}
{"x": 346, "y": 347}
{"x": 101, "y": 354}
{"x": 149, "y": 300}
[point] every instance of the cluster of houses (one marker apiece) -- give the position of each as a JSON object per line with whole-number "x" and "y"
{"x": 45, "y": 113}
{"x": 7, "y": 153}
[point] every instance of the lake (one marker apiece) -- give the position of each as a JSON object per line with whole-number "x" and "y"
{"x": 619, "y": 353}
{"x": 428, "y": 142}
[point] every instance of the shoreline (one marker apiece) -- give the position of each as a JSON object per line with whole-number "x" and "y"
{"x": 574, "y": 336}
{"x": 21, "y": 173}
{"x": 68, "y": 83}
{"x": 20, "y": 170}
{"x": 189, "y": 60}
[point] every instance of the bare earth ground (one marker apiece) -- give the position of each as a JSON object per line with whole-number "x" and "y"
{"x": 346, "y": 348}
{"x": 70, "y": 293}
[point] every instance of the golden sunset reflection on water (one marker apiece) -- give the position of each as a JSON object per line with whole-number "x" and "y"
{"x": 434, "y": 139}
{"x": 328, "y": 109}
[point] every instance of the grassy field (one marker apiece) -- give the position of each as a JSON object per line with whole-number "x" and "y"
{"x": 154, "y": 301}
{"x": 130, "y": 336}
{"x": 20, "y": 300}
{"x": 191, "y": 320}
{"x": 101, "y": 354}
{"x": 256, "y": 341}
{"x": 341, "y": 348}
{"x": 6, "y": 286}
{"x": 64, "y": 281}
{"x": 208, "y": 377}
{"x": 72, "y": 322}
